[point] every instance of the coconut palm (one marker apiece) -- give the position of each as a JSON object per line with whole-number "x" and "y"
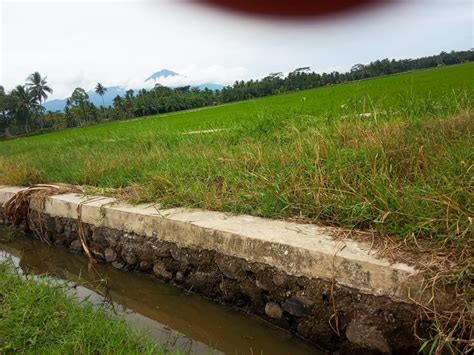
{"x": 129, "y": 94}
{"x": 100, "y": 89}
{"x": 39, "y": 90}
{"x": 24, "y": 103}
{"x": 38, "y": 86}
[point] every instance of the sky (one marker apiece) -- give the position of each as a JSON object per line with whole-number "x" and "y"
{"x": 77, "y": 43}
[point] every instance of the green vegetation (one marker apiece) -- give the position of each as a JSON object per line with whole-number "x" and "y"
{"x": 37, "y": 317}
{"x": 392, "y": 154}
{"x": 100, "y": 90}
{"x": 21, "y": 110}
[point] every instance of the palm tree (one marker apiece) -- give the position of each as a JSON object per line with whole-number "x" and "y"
{"x": 39, "y": 90}
{"x": 24, "y": 103}
{"x": 129, "y": 94}
{"x": 100, "y": 89}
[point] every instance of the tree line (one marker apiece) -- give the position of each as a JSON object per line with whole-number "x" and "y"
{"x": 22, "y": 112}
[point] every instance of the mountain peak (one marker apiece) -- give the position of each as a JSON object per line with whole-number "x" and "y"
{"x": 163, "y": 73}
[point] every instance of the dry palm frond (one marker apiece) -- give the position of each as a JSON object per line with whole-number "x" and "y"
{"x": 17, "y": 207}
{"x": 17, "y": 210}
{"x": 82, "y": 233}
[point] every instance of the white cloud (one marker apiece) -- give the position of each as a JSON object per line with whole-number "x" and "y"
{"x": 122, "y": 42}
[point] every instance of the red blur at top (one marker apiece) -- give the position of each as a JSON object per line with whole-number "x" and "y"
{"x": 293, "y": 8}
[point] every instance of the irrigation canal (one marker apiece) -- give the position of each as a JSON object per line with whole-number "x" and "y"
{"x": 172, "y": 315}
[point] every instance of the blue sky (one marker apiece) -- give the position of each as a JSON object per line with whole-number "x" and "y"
{"x": 121, "y": 42}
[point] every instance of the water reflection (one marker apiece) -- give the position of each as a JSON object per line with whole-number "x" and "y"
{"x": 182, "y": 319}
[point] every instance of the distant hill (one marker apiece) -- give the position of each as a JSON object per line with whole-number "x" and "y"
{"x": 110, "y": 94}
{"x": 163, "y": 73}
{"x": 55, "y": 105}
{"x": 210, "y": 86}
{"x": 113, "y": 91}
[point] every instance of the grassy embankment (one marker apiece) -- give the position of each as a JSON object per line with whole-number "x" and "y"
{"x": 405, "y": 170}
{"x": 37, "y": 317}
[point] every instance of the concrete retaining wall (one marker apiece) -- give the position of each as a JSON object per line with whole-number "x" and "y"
{"x": 336, "y": 293}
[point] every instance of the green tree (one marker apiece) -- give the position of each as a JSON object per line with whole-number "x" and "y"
{"x": 78, "y": 105}
{"x": 5, "y": 117}
{"x": 79, "y": 97}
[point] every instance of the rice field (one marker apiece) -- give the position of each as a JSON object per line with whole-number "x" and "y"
{"x": 393, "y": 154}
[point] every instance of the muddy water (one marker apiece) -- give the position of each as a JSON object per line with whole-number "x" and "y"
{"x": 171, "y": 315}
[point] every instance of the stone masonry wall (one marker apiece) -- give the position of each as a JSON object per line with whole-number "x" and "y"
{"x": 332, "y": 316}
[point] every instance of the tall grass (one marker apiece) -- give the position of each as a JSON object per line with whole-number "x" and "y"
{"x": 37, "y": 317}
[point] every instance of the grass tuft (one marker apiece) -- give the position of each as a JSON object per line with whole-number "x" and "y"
{"x": 37, "y": 317}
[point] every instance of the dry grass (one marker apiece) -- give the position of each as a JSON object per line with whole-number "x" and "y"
{"x": 19, "y": 174}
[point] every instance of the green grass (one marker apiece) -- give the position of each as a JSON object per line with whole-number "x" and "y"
{"x": 405, "y": 171}
{"x": 37, "y": 317}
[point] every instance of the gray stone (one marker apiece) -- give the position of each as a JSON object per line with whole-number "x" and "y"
{"x": 76, "y": 245}
{"x": 129, "y": 257}
{"x": 231, "y": 268}
{"x": 145, "y": 252}
{"x": 295, "y": 307}
{"x": 367, "y": 336}
{"x": 261, "y": 285}
{"x": 205, "y": 282}
{"x": 98, "y": 236}
{"x": 60, "y": 239}
{"x": 111, "y": 236}
{"x": 263, "y": 280}
{"x": 279, "y": 278}
{"x": 145, "y": 265}
{"x": 160, "y": 271}
{"x": 304, "y": 299}
{"x": 59, "y": 226}
{"x": 110, "y": 255}
{"x": 179, "y": 276}
{"x": 49, "y": 225}
{"x": 118, "y": 265}
{"x": 273, "y": 310}
{"x": 67, "y": 230}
